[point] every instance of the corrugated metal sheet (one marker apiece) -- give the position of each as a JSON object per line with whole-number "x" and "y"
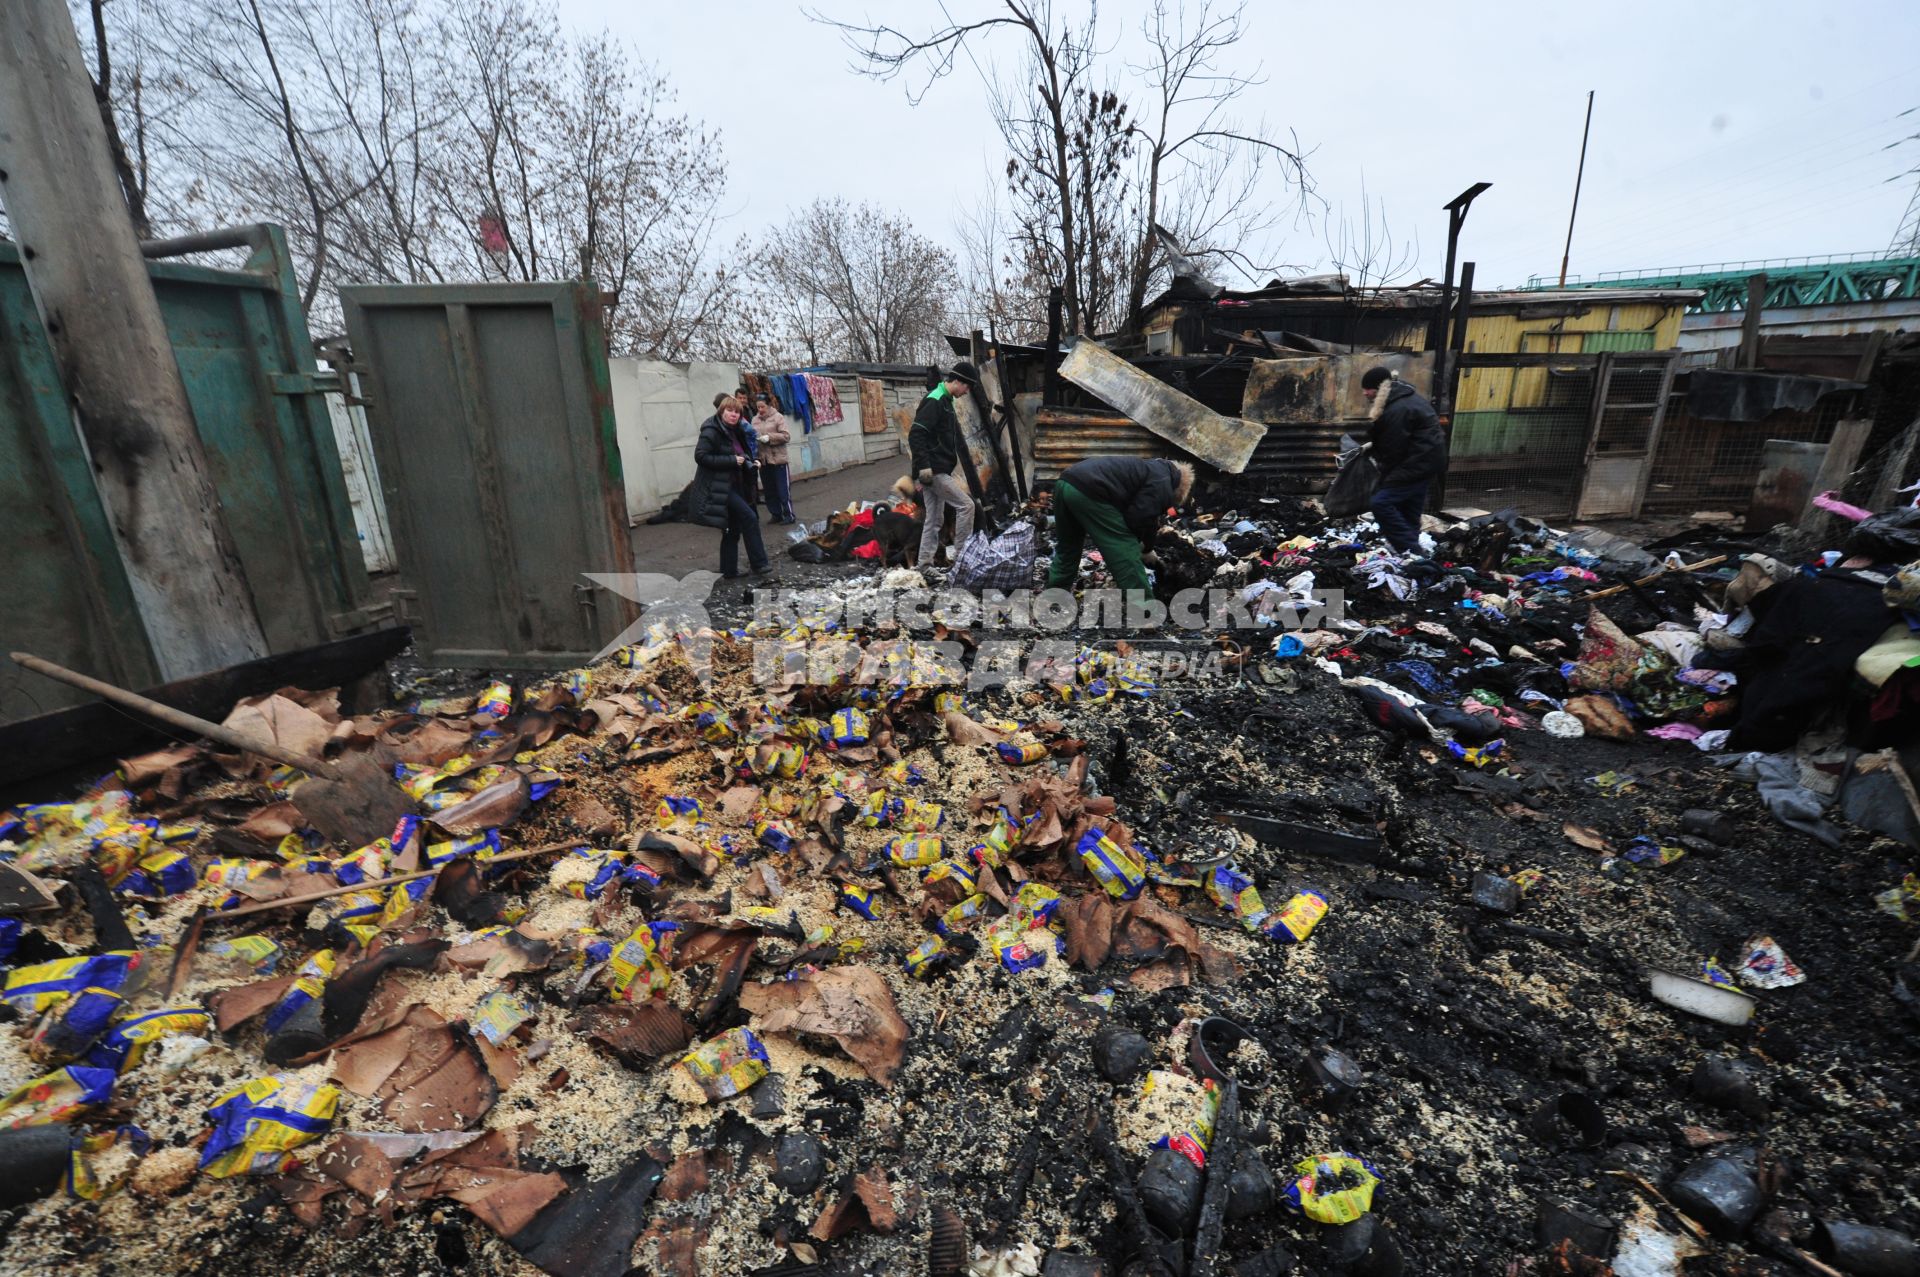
{"x": 1299, "y": 458}
{"x": 1309, "y": 402}
{"x": 1507, "y": 332}
{"x": 1622, "y": 340}
{"x": 1066, "y": 436}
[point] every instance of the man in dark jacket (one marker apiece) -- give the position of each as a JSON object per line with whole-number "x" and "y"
{"x": 722, "y": 480}
{"x": 935, "y": 443}
{"x": 1119, "y": 502}
{"x": 1406, "y": 442}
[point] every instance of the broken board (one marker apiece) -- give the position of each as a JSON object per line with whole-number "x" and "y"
{"x": 1226, "y": 443}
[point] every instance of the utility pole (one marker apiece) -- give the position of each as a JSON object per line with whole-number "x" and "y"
{"x": 103, "y": 321}
{"x": 1578, "y": 175}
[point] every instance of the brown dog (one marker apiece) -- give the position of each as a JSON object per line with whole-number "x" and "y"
{"x": 899, "y": 537}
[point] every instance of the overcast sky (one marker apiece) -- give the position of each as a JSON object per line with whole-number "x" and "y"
{"x": 1722, "y": 131}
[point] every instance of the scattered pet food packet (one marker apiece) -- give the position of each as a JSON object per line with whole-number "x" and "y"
{"x": 1765, "y": 965}
{"x": 258, "y": 1124}
{"x": 498, "y": 1015}
{"x": 726, "y": 1065}
{"x": 1333, "y": 1188}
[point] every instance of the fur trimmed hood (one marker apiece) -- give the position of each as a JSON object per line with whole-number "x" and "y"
{"x": 1388, "y": 390}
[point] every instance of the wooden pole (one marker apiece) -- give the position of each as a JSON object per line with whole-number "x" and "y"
{"x": 116, "y": 362}
{"x": 1714, "y": 562}
{"x": 1579, "y": 175}
{"x": 177, "y": 718}
{"x": 1750, "y": 320}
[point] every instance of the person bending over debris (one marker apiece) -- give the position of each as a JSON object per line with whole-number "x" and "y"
{"x": 723, "y": 488}
{"x": 935, "y": 443}
{"x": 1411, "y": 450}
{"x": 1119, "y": 502}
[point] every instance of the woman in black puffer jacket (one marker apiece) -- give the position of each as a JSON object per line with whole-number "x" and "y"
{"x": 723, "y": 487}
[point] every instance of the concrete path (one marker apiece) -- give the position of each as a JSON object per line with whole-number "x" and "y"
{"x": 677, "y": 548}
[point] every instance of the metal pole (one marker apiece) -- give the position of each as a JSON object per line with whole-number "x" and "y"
{"x": 116, "y": 363}
{"x": 1437, "y": 327}
{"x": 1439, "y": 332}
{"x": 1579, "y": 174}
{"x": 1457, "y": 326}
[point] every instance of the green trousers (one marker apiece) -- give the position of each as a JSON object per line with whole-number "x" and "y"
{"x": 1076, "y": 516}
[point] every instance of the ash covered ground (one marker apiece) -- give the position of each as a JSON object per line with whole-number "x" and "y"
{"x": 1465, "y": 1021}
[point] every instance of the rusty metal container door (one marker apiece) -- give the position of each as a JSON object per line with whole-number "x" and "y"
{"x": 492, "y": 420}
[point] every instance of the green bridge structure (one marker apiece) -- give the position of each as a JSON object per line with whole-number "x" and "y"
{"x": 1791, "y": 281}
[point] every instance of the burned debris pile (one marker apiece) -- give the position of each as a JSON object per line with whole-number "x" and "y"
{"x": 1540, "y": 905}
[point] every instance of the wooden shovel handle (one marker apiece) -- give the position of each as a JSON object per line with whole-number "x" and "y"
{"x": 176, "y": 718}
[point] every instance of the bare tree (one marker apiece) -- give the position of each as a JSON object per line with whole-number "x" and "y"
{"x": 996, "y": 292}
{"x": 1365, "y": 251}
{"x": 566, "y": 160}
{"x": 1034, "y": 119}
{"x": 132, "y": 180}
{"x": 889, "y": 290}
{"x": 425, "y": 140}
{"x": 1204, "y": 170}
{"x": 1090, "y": 177}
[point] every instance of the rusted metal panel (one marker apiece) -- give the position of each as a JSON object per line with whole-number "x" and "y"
{"x": 1226, "y": 443}
{"x": 1298, "y": 458}
{"x": 1308, "y": 403}
{"x": 493, "y": 419}
{"x": 1066, "y": 436}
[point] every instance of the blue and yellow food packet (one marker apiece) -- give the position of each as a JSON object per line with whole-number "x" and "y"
{"x": 915, "y": 853}
{"x": 439, "y": 853}
{"x": 775, "y": 835}
{"x": 57, "y": 1097}
{"x": 926, "y": 958}
{"x": 68, "y": 1030}
{"x": 1295, "y": 920}
{"x": 259, "y": 953}
{"x": 950, "y": 871}
{"x": 1034, "y": 904}
{"x": 308, "y": 983}
{"x": 164, "y": 873}
{"x": 496, "y": 701}
{"x": 846, "y": 728}
{"x": 1115, "y": 868}
{"x": 857, "y": 898}
{"x": 34, "y": 988}
{"x": 1022, "y": 948}
{"x": 606, "y": 871}
{"x": 726, "y": 1065}
{"x": 1332, "y": 1188}
{"x": 498, "y": 1015}
{"x": 957, "y": 918}
{"x": 403, "y": 897}
{"x": 920, "y": 816}
{"x": 126, "y": 1043}
{"x": 257, "y": 1125}
{"x": 635, "y": 969}
{"x": 676, "y": 811}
